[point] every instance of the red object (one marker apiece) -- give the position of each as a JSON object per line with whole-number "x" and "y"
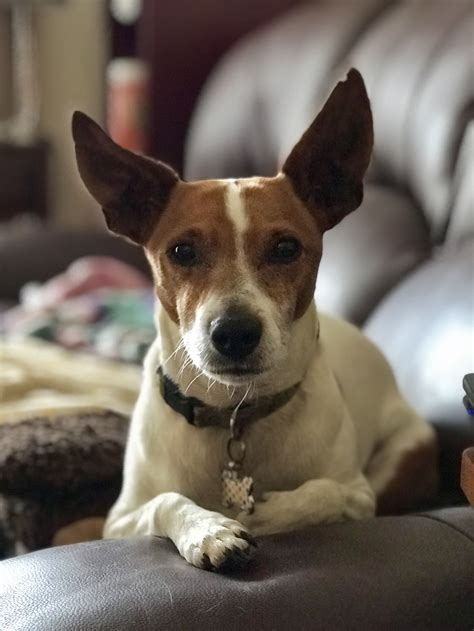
{"x": 467, "y": 474}
{"x": 128, "y": 82}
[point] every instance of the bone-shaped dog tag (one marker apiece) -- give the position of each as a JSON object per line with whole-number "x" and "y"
{"x": 237, "y": 491}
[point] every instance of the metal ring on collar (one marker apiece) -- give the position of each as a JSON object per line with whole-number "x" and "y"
{"x": 236, "y": 450}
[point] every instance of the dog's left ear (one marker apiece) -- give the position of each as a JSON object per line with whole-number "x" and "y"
{"x": 328, "y": 164}
{"x": 132, "y": 190}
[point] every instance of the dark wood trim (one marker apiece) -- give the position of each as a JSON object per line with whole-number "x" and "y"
{"x": 23, "y": 180}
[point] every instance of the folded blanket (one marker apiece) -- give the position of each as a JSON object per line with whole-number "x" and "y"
{"x": 38, "y": 378}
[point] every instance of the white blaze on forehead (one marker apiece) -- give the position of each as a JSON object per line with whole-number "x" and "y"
{"x": 235, "y": 207}
{"x": 248, "y": 289}
{"x": 243, "y": 290}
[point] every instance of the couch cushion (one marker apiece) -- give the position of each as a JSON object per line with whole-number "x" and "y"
{"x": 56, "y": 470}
{"x": 415, "y": 58}
{"x": 417, "y": 64}
{"x": 461, "y": 222}
{"x": 267, "y": 90}
{"x": 389, "y": 573}
{"x": 425, "y": 326}
{"x": 369, "y": 253}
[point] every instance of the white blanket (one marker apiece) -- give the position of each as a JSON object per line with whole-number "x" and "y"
{"x": 38, "y": 378}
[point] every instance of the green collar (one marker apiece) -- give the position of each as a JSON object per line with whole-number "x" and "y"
{"x": 199, "y": 414}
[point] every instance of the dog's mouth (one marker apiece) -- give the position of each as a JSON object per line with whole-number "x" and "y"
{"x": 234, "y": 374}
{"x": 237, "y": 372}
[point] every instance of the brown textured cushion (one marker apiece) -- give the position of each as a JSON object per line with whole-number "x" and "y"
{"x": 56, "y": 471}
{"x": 61, "y": 454}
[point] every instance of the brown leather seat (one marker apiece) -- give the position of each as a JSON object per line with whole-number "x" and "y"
{"x": 393, "y": 573}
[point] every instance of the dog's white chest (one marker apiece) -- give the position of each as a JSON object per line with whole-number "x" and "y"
{"x": 195, "y": 461}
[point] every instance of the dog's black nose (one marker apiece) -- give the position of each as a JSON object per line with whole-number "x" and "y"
{"x": 236, "y": 334}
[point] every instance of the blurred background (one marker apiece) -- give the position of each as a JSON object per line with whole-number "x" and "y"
{"x": 61, "y": 55}
{"x": 71, "y": 43}
{"x": 224, "y": 89}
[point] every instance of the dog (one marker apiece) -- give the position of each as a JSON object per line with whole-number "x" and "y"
{"x": 247, "y": 388}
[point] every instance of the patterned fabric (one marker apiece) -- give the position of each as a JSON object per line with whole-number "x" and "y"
{"x": 98, "y": 305}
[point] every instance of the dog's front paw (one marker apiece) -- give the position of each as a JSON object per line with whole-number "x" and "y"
{"x": 216, "y": 543}
{"x": 271, "y": 515}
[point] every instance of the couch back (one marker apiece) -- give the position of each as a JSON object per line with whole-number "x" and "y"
{"x": 417, "y": 61}
{"x": 402, "y": 265}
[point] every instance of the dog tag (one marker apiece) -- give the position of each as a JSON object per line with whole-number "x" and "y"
{"x": 237, "y": 491}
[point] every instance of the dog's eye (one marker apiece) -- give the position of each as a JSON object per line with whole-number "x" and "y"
{"x": 285, "y": 251}
{"x": 184, "y": 254}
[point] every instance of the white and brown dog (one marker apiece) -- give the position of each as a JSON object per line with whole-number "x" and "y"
{"x": 327, "y": 435}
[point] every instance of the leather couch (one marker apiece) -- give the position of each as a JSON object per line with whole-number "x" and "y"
{"x": 401, "y": 267}
{"x": 390, "y": 573}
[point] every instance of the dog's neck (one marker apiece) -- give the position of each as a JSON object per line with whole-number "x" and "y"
{"x": 176, "y": 364}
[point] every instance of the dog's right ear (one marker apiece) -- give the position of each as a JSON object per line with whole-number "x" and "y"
{"x": 132, "y": 190}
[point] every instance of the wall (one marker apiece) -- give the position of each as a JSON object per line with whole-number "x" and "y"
{"x": 5, "y": 79}
{"x": 183, "y": 39}
{"x": 72, "y": 53}
{"x": 72, "y": 50}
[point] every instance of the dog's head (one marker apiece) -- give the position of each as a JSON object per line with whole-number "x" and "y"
{"x": 235, "y": 261}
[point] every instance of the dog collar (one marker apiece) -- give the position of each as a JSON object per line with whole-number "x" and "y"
{"x": 199, "y": 414}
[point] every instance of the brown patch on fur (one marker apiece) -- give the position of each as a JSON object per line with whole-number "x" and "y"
{"x": 415, "y": 480}
{"x": 132, "y": 190}
{"x": 275, "y": 211}
{"x": 195, "y": 212}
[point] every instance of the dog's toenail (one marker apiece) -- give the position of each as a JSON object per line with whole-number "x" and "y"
{"x": 247, "y": 537}
{"x": 206, "y": 562}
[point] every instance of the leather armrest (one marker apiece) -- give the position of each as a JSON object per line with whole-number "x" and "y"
{"x": 412, "y": 572}
{"x": 369, "y": 253}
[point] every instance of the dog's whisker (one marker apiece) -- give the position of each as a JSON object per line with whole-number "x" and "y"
{"x": 249, "y": 387}
{"x": 179, "y": 347}
{"x": 211, "y": 383}
{"x": 200, "y": 373}
{"x": 188, "y": 361}
{"x": 254, "y": 390}
{"x": 181, "y": 372}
